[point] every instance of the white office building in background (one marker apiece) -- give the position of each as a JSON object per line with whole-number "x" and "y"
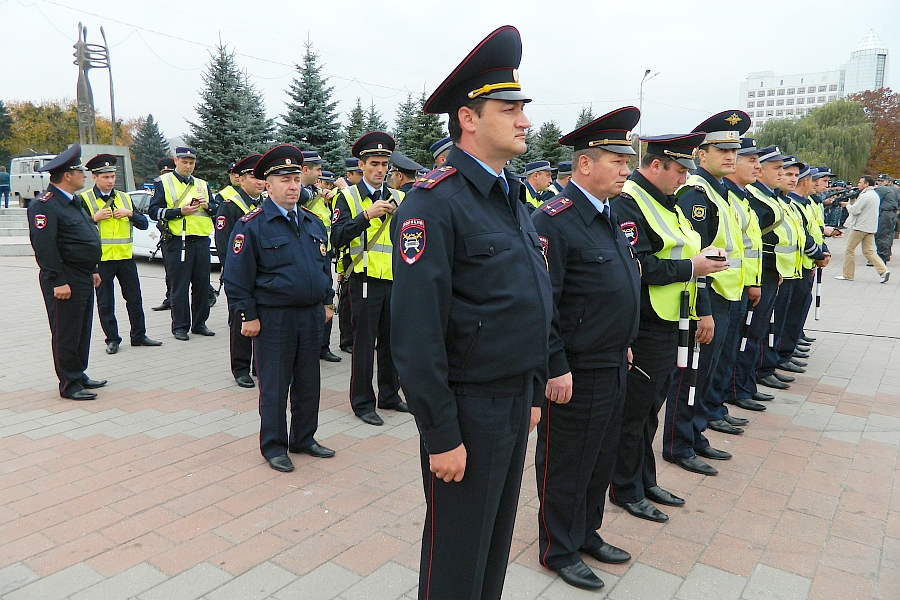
{"x": 766, "y": 95}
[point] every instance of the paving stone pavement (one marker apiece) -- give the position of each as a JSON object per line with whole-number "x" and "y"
{"x": 157, "y": 489}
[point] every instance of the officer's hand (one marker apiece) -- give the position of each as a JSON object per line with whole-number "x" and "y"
{"x": 824, "y": 262}
{"x": 753, "y": 294}
{"x": 705, "y": 266}
{"x": 379, "y": 209}
{"x": 340, "y": 183}
{"x": 450, "y": 466}
{"x": 630, "y": 358}
{"x": 105, "y": 213}
{"x": 705, "y": 329}
{"x": 535, "y": 418}
{"x": 96, "y": 280}
{"x": 327, "y": 194}
{"x": 122, "y": 213}
{"x": 329, "y": 313}
{"x": 837, "y": 232}
{"x": 250, "y": 328}
{"x": 559, "y": 389}
{"x": 189, "y": 209}
{"x": 63, "y": 292}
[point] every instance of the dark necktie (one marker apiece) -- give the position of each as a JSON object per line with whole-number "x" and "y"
{"x": 376, "y": 195}
{"x": 292, "y": 217}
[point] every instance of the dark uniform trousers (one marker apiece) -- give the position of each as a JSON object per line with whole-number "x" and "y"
{"x": 70, "y": 328}
{"x": 574, "y": 461}
{"x": 190, "y": 282}
{"x": 345, "y": 317}
{"x": 469, "y": 524}
{"x": 684, "y": 426}
{"x": 240, "y": 346}
{"x": 723, "y": 375}
{"x": 326, "y": 333}
{"x": 372, "y": 334}
{"x": 655, "y": 351}
{"x": 795, "y": 315}
{"x": 127, "y": 274}
{"x": 743, "y": 376}
{"x": 884, "y": 237}
{"x": 287, "y": 361}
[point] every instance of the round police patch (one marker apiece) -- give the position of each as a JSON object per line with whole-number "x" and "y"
{"x": 629, "y": 228}
{"x": 238, "y": 243}
{"x": 412, "y": 240}
{"x": 698, "y": 212}
{"x": 335, "y": 215}
{"x": 220, "y": 222}
{"x": 545, "y": 245}
{"x": 40, "y": 221}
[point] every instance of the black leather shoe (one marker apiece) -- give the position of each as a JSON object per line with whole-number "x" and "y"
{"x": 694, "y": 465}
{"x": 330, "y": 357}
{"x": 737, "y": 421}
{"x": 282, "y": 463}
{"x": 661, "y": 496}
{"x": 607, "y": 553}
{"x": 710, "y": 452}
{"x": 399, "y": 407}
{"x": 799, "y": 354}
{"x": 212, "y": 300}
{"x": 112, "y": 347}
{"x": 580, "y": 575}
{"x": 772, "y": 382}
{"x": 145, "y": 341}
{"x": 371, "y": 418}
{"x": 761, "y": 397}
{"x": 181, "y": 335}
{"x": 82, "y": 395}
{"x": 722, "y": 426}
{"x": 315, "y": 450}
{"x": 806, "y": 338}
{"x": 783, "y": 378}
{"x": 347, "y": 349}
{"x": 92, "y": 384}
{"x": 797, "y": 362}
{"x": 245, "y": 381}
{"x": 642, "y": 510}
{"x": 164, "y": 306}
{"x": 204, "y": 330}
{"x": 790, "y": 367}
{"x": 746, "y": 405}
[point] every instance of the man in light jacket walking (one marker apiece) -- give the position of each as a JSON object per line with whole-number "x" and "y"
{"x": 863, "y": 223}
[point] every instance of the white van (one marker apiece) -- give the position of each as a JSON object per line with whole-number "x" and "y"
{"x": 24, "y": 181}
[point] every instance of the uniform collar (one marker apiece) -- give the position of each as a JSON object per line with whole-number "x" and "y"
{"x": 715, "y": 183}
{"x": 99, "y": 194}
{"x": 246, "y": 197}
{"x": 185, "y": 180}
{"x": 366, "y": 191}
{"x": 584, "y": 203}
{"x": 764, "y": 188}
{"x": 273, "y": 211}
{"x": 644, "y": 183}
{"x": 65, "y": 195}
{"x": 733, "y": 187}
{"x": 798, "y": 198}
{"x": 479, "y": 174}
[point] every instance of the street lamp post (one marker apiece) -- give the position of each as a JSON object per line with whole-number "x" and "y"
{"x": 647, "y": 77}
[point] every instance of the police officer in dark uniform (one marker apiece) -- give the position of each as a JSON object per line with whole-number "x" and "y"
{"x": 596, "y": 291}
{"x": 164, "y": 165}
{"x": 439, "y": 151}
{"x": 563, "y": 175}
{"x": 404, "y": 171}
{"x": 471, "y": 313}
{"x": 67, "y": 249}
{"x": 671, "y": 258}
{"x": 278, "y": 281}
{"x": 345, "y": 323}
{"x": 231, "y": 208}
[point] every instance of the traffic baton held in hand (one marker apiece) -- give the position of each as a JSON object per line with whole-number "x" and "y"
{"x": 684, "y": 334}
{"x": 746, "y": 331}
{"x": 818, "y": 291}
{"x": 695, "y": 366}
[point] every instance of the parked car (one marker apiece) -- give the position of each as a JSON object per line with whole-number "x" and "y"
{"x": 146, "y": 241}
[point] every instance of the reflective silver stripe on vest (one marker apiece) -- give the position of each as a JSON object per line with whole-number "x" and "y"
{"x": 785, "y": 249}
{"x": 677, "y": 250}
{"x": 93, "y": 200}
{"x": 745, "y": 225}
{"x": 354, "y": 250}
{"x": 714, "y": 196}
{"x": 750, "y": 253}
{"x": 127, "y": 240}
{"x": 377, "y": 247}
{"x": 240, "y": 202}
{"x": 734, "y": 263}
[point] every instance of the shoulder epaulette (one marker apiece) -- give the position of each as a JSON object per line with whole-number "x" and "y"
{"x": 433, "y": 178}
{"x": 626, "y": 196}
{"x": 251, "y": 214}
{"x": 687, "y": 188}
{"x": 45, "y": 196}
{"x": 310, "y": 212}
{"x": 556, "y": 206}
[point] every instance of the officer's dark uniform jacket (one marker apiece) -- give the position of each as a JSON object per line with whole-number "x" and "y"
{"x": 270, "y": 265}
{"x": 646, "y": 243}
{"x": 589, "y": 259}
{"x": 64, "y": 237}
{"x": 227, "y": 215}
{"x": 478, "y": 269}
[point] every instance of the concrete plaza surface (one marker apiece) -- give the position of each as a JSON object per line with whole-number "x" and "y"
{"x": 157, "y": 489}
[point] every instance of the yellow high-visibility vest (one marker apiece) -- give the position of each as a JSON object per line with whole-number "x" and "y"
{"x": 751, "y": 236}
{"x": 116, "y": 235}
{"x": 379, "y": 260}
{"x": 680, "y": 242}
{"x": 812, "y": 226}
{"x": 323, "y": 211}
{"x": 787, "y": 249}
{"x": 199, "y": 223}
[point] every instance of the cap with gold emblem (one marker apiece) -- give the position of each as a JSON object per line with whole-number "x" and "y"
{"x": 102, "y": 163}
{"x": 280, "y": 160}
{"x": 611, "y": 132}
{"x": 164, "y": 165}
{"x": 678, "y": 146}
{"x": 725, "y": 129}
{"x": 246, "y": 165}
{"x": 489, "y": 71}
{"x": 375, "y": 143}
{"x": 67, "y": 160}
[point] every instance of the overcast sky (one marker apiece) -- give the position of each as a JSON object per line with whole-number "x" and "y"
{"x": 575, "y": 53}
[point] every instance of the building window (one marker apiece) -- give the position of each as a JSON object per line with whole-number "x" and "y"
{"x": 781, "y": 91}
{"x": 779, "y": 113}
{"x": 760, "y": 102}
{"x": 800, "y": 100}
{"x": 811, "y": 100}
{"x": 832, "y": 88}
{"x": 801, "y": 111}
{"x": 759, "y": 113}
{"x": 751, "y": 94}
{"x": 822, "y": 88}
{"x": 790, "y": 101}
{"x": 770, "y": 92}
{"x": 790, "y": 91}
{"x": 801, "y": 90}
{"x": 779, "y": 102}
{"x": 821, "y": 99}
{"x": 769, "y": 113}
{"x": 789, "y": 111}
{"x": 832, "y": 97}
{"x": 770, "y": 103}
{"x": 751, "y": 104}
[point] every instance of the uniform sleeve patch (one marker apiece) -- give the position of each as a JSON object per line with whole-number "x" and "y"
{"x": 40, "y": 221}
{"x": 412, "y": 240}
{"x": 220, "y": 222}
{"x": 545, "y": 245}
{"x": 251, "y": 214}
{"x": 556, "y": 206}
{"x": 433, "y": 178}
{"x": 335, "y": 215}
{"x": 698, "y": 212}
{"x": 238, "y": 243}
{"x": 629, "y": 228}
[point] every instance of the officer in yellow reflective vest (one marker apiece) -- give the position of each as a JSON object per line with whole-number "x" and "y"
{"x": 538, "y": 177}
{"x": 563, "y": 175}
{"x": 234, "y": 204}
{"x": 361, "y": 222}
{"x": 352, "y": 176}
{"x": 704, "y": 201}
{"x": 669, "y": 252}
{"x": 187, "y": 206}
{"x": 114, "y": 214}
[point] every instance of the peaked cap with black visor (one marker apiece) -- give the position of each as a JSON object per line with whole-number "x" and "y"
{"x": 725, "y": 129}
{"x": 280, "y": 160}
{"x": 489, "y": 71}
{"x": 610, "y": 132}
{"x": 677, "y": 146}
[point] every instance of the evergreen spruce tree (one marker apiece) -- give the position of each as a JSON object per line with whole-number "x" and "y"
{"x": 6, "y": 124}
{"x": 548, "y": 147}
{"x": 374, "y": 121}
{"x": 584, "y": 117}
{"x": 404, "y": 124}
{"x": 356, "y": 125}
{"x": 149, "y": 146}
{"x": 232, "y": 121}
{"x": 426, "y": 129}
{"x": 311, "y": 121}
